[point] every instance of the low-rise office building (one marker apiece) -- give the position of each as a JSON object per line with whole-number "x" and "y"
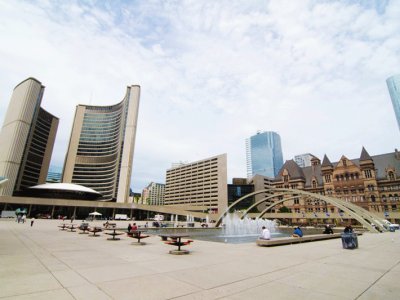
{"x": 154, "y": 194}
{"x": 201, "y": 184}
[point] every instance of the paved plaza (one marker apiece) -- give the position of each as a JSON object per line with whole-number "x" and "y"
{"x": 42, "y": 262}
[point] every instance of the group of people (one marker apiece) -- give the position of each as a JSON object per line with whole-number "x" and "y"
{"x": 266, "y": 233}
{"x": 22, "y": 219}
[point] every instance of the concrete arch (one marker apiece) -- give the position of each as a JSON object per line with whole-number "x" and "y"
{"x": 236, "y": 202}
{"x": 264, "y": 200}
{"x": 361, "y": 215}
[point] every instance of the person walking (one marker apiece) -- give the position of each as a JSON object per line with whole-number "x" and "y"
{"x": 32, "y": 221}
{"x": 23, "y": 219}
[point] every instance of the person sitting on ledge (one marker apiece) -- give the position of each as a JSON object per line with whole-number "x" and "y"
{"x": 328, "y": 229}
{"x": 348, "y": 229}
{"x": 297, "y": 232}
{"x": 265, "y": 234}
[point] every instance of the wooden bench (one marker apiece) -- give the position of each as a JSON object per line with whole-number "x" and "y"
{"x": 296, "y": 240}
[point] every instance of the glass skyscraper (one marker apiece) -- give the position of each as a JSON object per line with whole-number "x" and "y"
{"x": 393, "y": 84}
{"x": 264, "y": 154}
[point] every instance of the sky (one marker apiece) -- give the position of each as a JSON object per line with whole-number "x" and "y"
{"x": 212, "y": 73}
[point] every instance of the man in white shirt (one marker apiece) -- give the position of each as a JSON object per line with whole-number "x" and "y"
{"x": 265, "y": 234}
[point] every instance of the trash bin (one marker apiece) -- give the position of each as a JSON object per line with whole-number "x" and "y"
{"x": 349, "y": 240}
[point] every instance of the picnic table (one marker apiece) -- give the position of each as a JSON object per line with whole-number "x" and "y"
{"x": 84, "y": 227}
{"x": 175, "y": 239}
{"x": 114, "y": 233}
{"x": 63, "y": 226}
{"x": 95, "y": 230}
{"x": 72, "y": 227}
{"x": 137, "y": 234}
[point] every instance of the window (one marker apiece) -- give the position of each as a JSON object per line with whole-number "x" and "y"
{"x": 296, "y": 201}
{"x": 286, "y": 178}
{"x": 327, "y": 178}
{"x": 314, "y": 184}
{"x": 373, "y": 198}
{"x": 368, "y": 173}
{"x": 344, "y": 163}
{"x": 391, "y": 175}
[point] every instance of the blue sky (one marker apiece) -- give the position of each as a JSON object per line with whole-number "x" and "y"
{"x": 212, "y": 73}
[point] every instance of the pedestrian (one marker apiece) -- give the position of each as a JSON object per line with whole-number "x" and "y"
{"x": 32, "y": 221}
{"x": 23, "y": 219}
{"x": 129, "y": 227}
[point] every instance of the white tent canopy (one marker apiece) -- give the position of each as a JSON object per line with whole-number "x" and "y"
{"x": 95, "y": 213}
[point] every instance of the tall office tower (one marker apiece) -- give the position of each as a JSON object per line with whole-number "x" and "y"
{"x": 264, "y": 154}
{"x": 393, "y": 84}
{"x": 26, "y": 139}
{"x": 154, "y": 194}
{"x": 101, "y": 147}
{"x": 54, "y": 174}
{"x": 304, "y": 160}
{"x": 199, "y": 185}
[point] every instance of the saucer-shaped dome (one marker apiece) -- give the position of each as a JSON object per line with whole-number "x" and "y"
{"x": 62, "y": 191}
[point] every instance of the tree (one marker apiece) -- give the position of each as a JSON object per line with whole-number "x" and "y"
{"x": 284, "y": 209}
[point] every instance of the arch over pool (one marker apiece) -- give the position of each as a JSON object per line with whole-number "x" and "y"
{"x": 363, "y": 216}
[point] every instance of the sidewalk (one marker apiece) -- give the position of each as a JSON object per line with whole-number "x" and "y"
{"x": 42, "y": 262}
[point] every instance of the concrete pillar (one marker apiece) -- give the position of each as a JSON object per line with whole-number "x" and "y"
{"x": 29, "y": 210}
{"x": 113, "y": 213}
{"x": 130, "y": 216}
{"x": 74, "y": 213}
{"x": 52, "y": 211}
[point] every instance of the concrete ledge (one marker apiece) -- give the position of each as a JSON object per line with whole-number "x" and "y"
{"x": 293, "y": 240}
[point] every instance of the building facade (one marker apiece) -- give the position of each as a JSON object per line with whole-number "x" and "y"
{"x": 237, "y": 190}
{"x": 304, "y": 160}
{"x": 371, "y": 182}
{"x": 154, "y": 194}
{"x": 101, "y": 147}
{"x": 393, "y": 84}
{"x": 264, "y": 154}
{"x": 26, "y": 139}
{"x": 202, "y": 184}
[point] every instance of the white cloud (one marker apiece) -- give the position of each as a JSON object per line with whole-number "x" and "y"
{"x": 212, "y": 73}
